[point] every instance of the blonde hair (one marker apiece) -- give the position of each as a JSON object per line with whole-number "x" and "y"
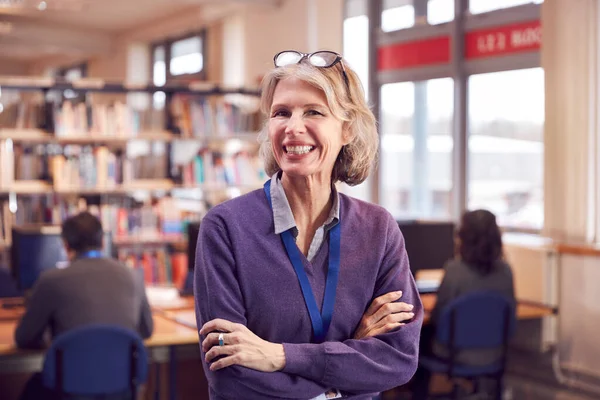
{"x": 355, "y": 160}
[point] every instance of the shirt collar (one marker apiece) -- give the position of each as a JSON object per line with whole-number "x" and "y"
{"x": 282, "y": 213}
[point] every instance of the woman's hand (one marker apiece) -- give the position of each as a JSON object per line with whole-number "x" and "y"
{"x": 384, "y": 315}
{"x": 241, "y": 347}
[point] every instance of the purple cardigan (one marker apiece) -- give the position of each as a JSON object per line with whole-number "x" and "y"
{"x": 243, "y": 274}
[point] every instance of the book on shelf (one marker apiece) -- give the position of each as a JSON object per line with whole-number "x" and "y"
{"x": 210, "y": 168}
{"x": 114, "y": 120}
{"x": 160, "y": 221}
{"x": 7, "y": 164}
{"x": 206, "y": 117}
{"x": 29, "y": 113}
{"x": 158, "y": 266}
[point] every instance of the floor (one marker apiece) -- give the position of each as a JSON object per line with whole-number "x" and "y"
{"x": 529, "y": 377}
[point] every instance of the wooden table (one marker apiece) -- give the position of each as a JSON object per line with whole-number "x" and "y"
{"x": 167, "y": 332}
{"x": 525, "y": 309}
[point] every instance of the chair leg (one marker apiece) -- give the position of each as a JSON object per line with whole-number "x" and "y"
{"x": 476, "y": 385}
{"x": 499, "y": 387}
{"x": 455, "y": 391}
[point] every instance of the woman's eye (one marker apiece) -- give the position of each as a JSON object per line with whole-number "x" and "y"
{"x": 280, "y": 113}
{"x": 314, "y": 112}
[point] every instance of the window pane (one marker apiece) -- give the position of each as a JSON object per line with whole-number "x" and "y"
{"x": 440, "y": 11}
{"x": 481, "y": 6}
{"x": 416, "y": 148}
{"x": 397, "y": 14}
{"x": 356, "y": 47}
{"x": 356, "y": 54}
{"x": 186, "y": 56}
{"x": 506, "y": 147}
{"x": 159, "y": 75}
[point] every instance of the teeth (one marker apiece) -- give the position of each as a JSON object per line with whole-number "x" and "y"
{"x": 298, "y": 149}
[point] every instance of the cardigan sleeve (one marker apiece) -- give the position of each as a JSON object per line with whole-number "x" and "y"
{"x": 218, "y": 295}
{"x": 373, "y": 364}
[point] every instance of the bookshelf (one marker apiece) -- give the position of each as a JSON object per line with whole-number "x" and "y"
{"x": 145, "y": 172}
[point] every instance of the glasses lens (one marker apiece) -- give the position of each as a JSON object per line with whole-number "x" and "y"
{"x": 287, "y": 58}
{"x": 323, "y": 59}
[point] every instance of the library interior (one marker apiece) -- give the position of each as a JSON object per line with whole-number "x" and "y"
{"x": 136, "y": 135}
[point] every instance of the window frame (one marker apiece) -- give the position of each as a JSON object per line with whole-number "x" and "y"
{"x": 458, "y": 68}
{"x": 81, "y": 97}
{"x": 167, "y": 43}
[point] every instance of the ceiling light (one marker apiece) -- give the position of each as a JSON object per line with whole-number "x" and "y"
{"x": 42, "y": 6}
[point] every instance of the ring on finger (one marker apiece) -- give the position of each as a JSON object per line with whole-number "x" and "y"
{"x": 221, "y": 339}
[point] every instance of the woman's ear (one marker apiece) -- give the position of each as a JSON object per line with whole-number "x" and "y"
{"x": 347, "y": 134}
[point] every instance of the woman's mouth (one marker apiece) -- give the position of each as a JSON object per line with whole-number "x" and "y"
{"x": 298, "y": 150}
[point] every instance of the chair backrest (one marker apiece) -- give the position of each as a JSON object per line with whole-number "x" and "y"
{"x": 8, "y": 286}
{"x": 477, "y": 320}
{"x": 95, "y": 360}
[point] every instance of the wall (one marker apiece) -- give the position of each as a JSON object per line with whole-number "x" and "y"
{"x": 113, "y": 65}
{"x": 10, "y": 67}
{"x": 303, "y": 25}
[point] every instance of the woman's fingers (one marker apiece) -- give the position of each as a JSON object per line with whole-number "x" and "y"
{"x": 221, "y": 325}
{"x": 217, "y": 351}
{"x": 385, "y": 328}
{"x": 226, "y": 362}
{"x": 212, "y": 339}
{"x": 381, "y": 300}
{"x": 389, "y": 323}
{"x": 390, "y": 308}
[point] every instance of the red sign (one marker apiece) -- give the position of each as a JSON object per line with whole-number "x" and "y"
{"x": 414, "y": 54}
{"x": 508, "y": 39}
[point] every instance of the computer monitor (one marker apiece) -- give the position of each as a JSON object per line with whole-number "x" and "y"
{"x": 428, "y": 244}
{"x": 193, "y": 230}
{"x": 35, "y": 249}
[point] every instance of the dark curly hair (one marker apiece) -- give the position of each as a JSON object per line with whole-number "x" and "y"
{"x": 480, "y": 244}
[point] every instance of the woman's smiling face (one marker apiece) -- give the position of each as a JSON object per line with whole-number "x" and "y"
{"x": 305, "y": 135}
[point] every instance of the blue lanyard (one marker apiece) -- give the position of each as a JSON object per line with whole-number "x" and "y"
{"x": 91, "y": 254}
{"x": 320, "y": 320}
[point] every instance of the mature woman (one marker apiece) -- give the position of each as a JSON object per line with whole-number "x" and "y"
{"x": 297, "y": 285}
{"x": 478, "y": 265}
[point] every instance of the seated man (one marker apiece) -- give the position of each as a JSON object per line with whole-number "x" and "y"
{"x": 93, "y": 289}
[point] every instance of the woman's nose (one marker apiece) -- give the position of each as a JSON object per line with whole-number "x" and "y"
{"x": 295, "y": 125}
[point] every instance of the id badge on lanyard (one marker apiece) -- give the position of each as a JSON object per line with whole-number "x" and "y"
{"x": 320, "y": 320}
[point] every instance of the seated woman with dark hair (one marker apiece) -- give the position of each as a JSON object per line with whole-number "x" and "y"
{"x": 478, "y": 266}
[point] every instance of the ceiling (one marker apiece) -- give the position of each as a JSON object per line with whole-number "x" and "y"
{"x": 31, "y": 29}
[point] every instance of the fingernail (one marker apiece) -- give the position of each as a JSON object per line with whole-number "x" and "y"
{"x": 411, "y": 306}
{"x": 411, "y": 314}
{"x": 399, "y": 292}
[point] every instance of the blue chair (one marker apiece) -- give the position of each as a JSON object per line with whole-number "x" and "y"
{"x": 475, "y": 321}
{"x": 96, "y": 360}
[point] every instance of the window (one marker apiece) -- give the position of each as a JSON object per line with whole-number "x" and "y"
{"x": 179, "y": 59}
{"x": 186, "y": 56}
{"x": 505, "y": 147}
{"x": 356, "y": 47}
{"x": 440, "y": 11}
{"x": 397, "y": 14}
{"x": 416, "y": 148}
{"x": 356, "y": 54}
{"x": 70, "y": 74}
{"x": 159, "y": 76}
{"x": 159, "y": 71}
{"x": 482, "y": 6}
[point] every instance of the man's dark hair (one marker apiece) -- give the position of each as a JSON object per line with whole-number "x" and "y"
{"x": 480, "y": 240}
{"x": 82, "y": 232}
